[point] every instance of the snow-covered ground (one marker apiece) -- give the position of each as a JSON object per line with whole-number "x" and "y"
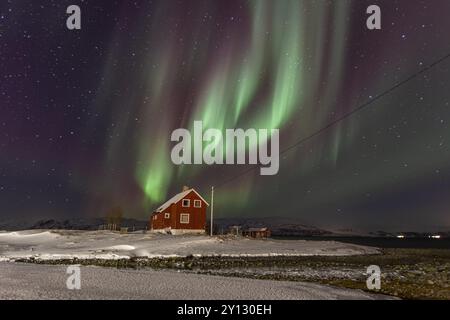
{"x": 31, "y": 281}
{"x": 51, "y": 245}
{"x": 34, "y": 281}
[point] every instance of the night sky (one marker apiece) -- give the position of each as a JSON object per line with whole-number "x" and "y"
{"x": 86, "y": 115}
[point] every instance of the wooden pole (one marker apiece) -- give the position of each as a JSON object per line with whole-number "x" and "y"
{"x": 212, "y": 210}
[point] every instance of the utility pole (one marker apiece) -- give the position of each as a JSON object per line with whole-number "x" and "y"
{"x": 212, "y": 210}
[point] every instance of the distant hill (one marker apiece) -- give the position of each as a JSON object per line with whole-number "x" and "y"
{"x": 69, "y": 224}
{"x": 293, "y": 227}
{"x": 278, "y": 226}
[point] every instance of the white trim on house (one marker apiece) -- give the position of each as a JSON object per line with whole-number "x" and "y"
{"x": 200, "y": 197}
{"x": 177, "y": 198}
{"x": 185, "y": 215}
{"x": 197, "y": 201}
{"x": 188, "y": 203}
{"x": 167, "y": 215}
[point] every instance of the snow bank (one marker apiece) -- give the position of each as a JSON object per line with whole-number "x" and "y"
{"x": 46, "y": 245}
{"x": 28, "y": 236}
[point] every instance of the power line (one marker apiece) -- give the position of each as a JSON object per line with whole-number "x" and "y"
{"x": 345, "y": 116}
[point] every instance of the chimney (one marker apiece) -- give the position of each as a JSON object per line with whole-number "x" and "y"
{"x": 185, "y": 188}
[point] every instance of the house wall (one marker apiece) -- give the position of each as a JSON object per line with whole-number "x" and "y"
{"x": 197, "y": 216}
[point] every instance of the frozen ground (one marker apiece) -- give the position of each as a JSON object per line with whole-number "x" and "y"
{"x": 31, "y": 281}
{"x": 51, "y": 245}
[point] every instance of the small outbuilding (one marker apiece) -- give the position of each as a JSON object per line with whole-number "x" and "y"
{"x": 258, "y": 233}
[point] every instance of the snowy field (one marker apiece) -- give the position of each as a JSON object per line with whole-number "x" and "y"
{"x": 31, "y": 281}
{"x": 35, "y": 281}
{"x": 53, "y": 245}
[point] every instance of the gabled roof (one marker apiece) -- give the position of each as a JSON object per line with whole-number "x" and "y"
{"x": 177, "y": 198}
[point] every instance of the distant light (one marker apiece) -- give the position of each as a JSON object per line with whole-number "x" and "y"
{"x": 436, "y": 236}
{"x": 400, "y": 236}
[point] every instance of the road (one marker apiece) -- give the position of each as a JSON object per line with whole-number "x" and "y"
{"x": 31, "y": 281}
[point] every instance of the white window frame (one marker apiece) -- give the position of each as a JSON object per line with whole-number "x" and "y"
{"x": 167, "y": 215}
{"x": 188, "y": 203}
{"x": 185, "y": 215}
{"x": 199, "y": 203}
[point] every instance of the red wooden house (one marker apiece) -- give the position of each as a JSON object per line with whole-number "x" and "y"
{"x": 183, "y": 213}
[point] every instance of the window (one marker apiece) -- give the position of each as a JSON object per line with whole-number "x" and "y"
{"x": 186, "y": 203}
{"x": 197, "y": 204}
{"x": 184, "y": 218}
{"x": 167, "y": 215}
{"x": 155, "y": 217}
